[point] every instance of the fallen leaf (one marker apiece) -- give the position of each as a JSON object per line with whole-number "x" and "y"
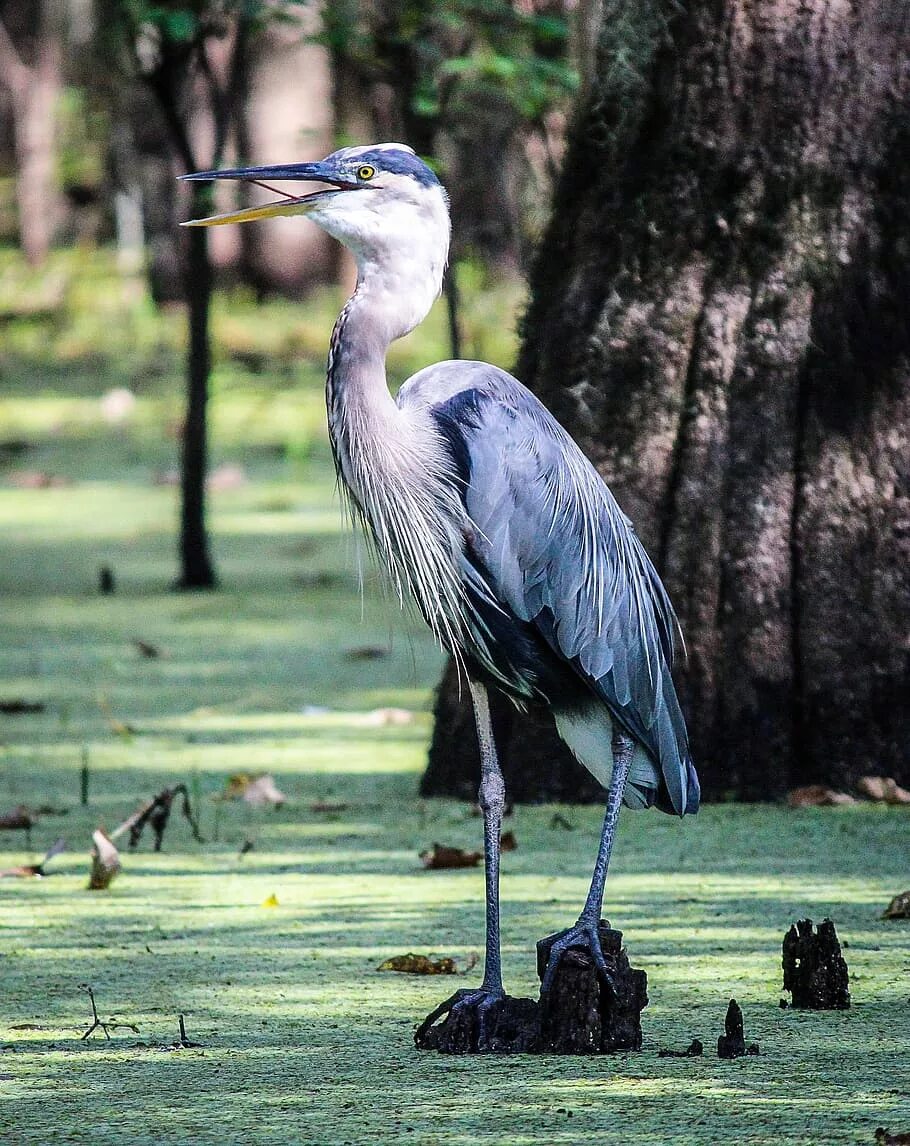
{"x": 330, "y": 808}
{"x": 817, "y": 796}
{"x": 105, "y": 862}
{"x": 20, "y": 707}
{"x": 257, "y": 789}
{"x": 17, "y": 819}
{"x": 26, "y": 871}
{"x": 270, "y": 901}
{"x": 507, "y": 842}
{"x": 441, "y": 856}
{"x": 883, "y": 790}
{"x": 366, "y": 653}
{"x": 35, "y": 870}
{"x": 899, "y": 907}
{"x": 412, "y": 964}
{"x": 263, "y": 791}
{"x": 146, "y": 649}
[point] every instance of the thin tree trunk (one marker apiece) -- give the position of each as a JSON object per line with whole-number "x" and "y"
{"x": 196, "y": 567}
{"x": 34, "y": 89}
{"x": 719, "y": 315}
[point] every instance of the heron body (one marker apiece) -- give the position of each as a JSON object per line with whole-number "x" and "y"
{"x": 486, "y": 513}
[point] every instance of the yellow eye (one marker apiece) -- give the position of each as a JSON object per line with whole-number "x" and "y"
{"x": 366, "y": 172}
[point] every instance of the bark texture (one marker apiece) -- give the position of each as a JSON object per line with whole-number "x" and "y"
{"x": 31, "y": 49}
{"x": 719, "y": 316}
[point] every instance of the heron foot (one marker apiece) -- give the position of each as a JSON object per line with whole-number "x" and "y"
{"x": 585, "y": 936}
{"x": 480, "y": 1021}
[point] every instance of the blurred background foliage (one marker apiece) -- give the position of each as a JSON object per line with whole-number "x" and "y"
{"x": 104, "y": 102}
{"x": 87, "y": 154}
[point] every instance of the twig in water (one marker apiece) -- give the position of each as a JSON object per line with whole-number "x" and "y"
{"x": 156, "y": 812}
{"x": 183, "y": 1042}
{"x": 96, "y": 1021}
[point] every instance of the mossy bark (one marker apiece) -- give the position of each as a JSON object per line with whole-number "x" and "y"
{"x": 718, "y": 314}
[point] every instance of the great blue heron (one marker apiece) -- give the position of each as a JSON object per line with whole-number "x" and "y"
{"x": 488, "y": 515}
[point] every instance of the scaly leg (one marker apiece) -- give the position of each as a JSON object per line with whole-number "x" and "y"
{"x": 585, "y": 933}
{"x": 492, "y": 801}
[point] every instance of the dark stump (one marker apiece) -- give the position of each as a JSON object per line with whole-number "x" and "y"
{"x": 580, "y": 1014}
{"x": 732, "y": 1043}
{"x": 583, "y": 1014}
{"x": 508, "y": 1026}
{"x": 815, "y": 971}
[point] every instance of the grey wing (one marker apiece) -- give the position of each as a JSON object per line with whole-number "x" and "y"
{"x": 557, "y": 550}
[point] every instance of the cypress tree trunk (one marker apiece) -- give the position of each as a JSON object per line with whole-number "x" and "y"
{"x": 719, "y": 315}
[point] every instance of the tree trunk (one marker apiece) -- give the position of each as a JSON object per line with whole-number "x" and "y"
{"x": 196, "y": 571}
{"x": 719, "y": 315}
{"x": 34, "y": 81}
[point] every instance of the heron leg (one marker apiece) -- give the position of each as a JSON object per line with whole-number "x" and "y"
{"x": 585, "y": 932}
{"x": 491, "y": 796}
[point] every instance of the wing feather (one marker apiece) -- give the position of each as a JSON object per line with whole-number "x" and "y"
{"x": 557, "y": 551}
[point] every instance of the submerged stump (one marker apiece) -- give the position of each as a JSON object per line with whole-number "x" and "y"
{"x": 583, "y": 1014}
{"x": 732, "y": 1043}
{"x": 815, "y": 971}
{"x": 580, "y": 1014}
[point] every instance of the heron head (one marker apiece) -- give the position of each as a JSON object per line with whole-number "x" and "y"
{"x": 381, "y": 201}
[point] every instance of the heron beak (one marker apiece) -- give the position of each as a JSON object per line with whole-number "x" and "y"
{"x": 288, "y": 205}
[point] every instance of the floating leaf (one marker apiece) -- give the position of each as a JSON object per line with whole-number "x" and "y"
{"x": 35, "y": 870}
{"x": 366, "y": 653}
{"x": 412, "y": 964}
{"x": 817, "y": 796}
{"x": 146, "y": 649}
{"x": 899, "y": 907}
{"x": 257, "y": 790}
{"x": 441, "y": 856}
{"x": 20, "y": 707}
{"x": 262, "y": 792}
{"x": 17, "y": 819}
{"x": 270, "y": 901}
{"x": 883, "y": 790}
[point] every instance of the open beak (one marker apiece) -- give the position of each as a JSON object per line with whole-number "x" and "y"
{"x": 286, "y": 205}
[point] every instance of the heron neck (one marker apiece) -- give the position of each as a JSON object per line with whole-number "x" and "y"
{"x": 387, "y": 303}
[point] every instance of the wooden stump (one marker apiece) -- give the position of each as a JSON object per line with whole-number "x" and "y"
{"x": 815, "y": 971}
{"x": 509, "y": 1026}
{"x": 582, "y": 1014}
{"x": 732, "y": 1043}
